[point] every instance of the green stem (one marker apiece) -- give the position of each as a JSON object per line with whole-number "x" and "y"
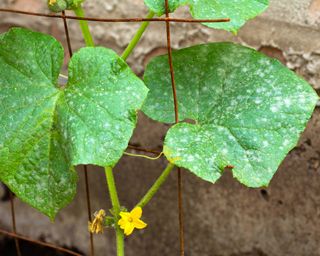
{"x": 116, "y": 209}
{"x": 120, "y": 241}
{"x": 137, "y": 37}
{"x": 155, "y": 187}
{"x": 84, "y": 27}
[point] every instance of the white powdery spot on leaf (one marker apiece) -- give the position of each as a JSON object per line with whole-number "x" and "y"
{"x": 45, "y": 130}
{"x": 249, "y": 116}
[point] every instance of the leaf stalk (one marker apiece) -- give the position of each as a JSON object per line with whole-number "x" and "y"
{"x": 155, "y": 187}
{"x": 137, "y": 37}
{"x": 79, "y": 12}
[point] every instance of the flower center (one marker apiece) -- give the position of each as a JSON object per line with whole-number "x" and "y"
{"x": 130, "y": 219}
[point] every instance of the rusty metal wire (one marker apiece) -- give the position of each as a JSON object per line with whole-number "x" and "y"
{"x": 176, "y": 115}
{"x": 88, "y": 207}
{"x": 61, "y": 249}
{"x": 86, "y": 178}
{"x": 181, "y": 215}
{"x": 70, "y": 17}
{"x": 167, "y": 20}
{"x": 66, "y": 30}
{"x": 14, "y": 226}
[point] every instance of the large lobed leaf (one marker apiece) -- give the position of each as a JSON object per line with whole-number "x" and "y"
{"x": 46, "y": 129}
{"x": 248, "y": 110}
{"x": 239, "y": 11}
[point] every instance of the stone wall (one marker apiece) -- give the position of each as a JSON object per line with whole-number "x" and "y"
{"x": 225, "y": 219}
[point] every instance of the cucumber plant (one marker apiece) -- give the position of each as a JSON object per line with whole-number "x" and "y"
{"x": 248, "y": 110}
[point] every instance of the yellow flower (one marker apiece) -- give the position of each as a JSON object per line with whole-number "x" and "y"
{"x": 52, "y": 2}
{"x": 97, "y": 224}
{"x": 131, "y": 220}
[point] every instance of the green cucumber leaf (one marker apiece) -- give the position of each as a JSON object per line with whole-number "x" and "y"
{"x": 46, "y": 129}
{"x": 248, "y": 109}
{"x": 239, "y": 11}
{"x": 158, "y": 6}
{"x": 98, "y": 109}
{"x": 32, "y": 162}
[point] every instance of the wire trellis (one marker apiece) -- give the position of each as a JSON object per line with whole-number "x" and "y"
{"x": 167, "y": 20}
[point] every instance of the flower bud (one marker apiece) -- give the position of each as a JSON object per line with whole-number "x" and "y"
{"x": 57, "y": 5}
{"x": 61, "y": 5}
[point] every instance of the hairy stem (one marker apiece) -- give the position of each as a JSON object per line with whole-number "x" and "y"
{"x": 136, "y": 37}
{"x": 84, "y": 27}
{"x": 116, "y": 209}
{"x": 155, "y": 187}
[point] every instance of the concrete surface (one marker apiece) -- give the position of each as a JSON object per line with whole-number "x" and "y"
{"x": 225, "y": 219}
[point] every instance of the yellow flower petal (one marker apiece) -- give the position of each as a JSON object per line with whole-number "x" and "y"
{"x": 131, "y": 220}
{"x": 128, "y": 229}
{"x": 139, "y": 224}
{"x": 125, "y": 215}
{"x": 136, "y": 213}
{"x": 122, "y": 223}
